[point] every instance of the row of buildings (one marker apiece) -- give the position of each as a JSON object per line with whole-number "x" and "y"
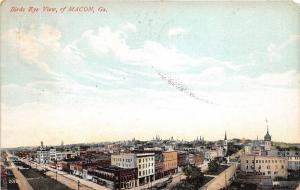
{"x": 264, "y": 164}
{"x": 124, "y": 165}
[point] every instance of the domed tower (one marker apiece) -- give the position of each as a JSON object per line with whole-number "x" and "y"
{"x": 267, "y": 139}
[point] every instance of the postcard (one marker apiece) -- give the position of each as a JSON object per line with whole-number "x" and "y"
{"x": 150, "y": 95}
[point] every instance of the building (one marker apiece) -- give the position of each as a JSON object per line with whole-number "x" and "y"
{"x": 225, "y": 144}
{"x": 196, "y": 159}
{"x": 124, "y": 160}
{"x": 115, "y": 177}
{"x": 144, "y": 162}
{"x": 294, "y": 161}
{"x": 42, "y": 154}
{"x": 210, "y": 155}
{"x": 159, "y": 165}
{"x": 267, "y": 140}
{"x": 293, "y": 157}
{"x": 169, "y": 162}
{"x": 182, "y": 159}
{"x": 272, "y": 166}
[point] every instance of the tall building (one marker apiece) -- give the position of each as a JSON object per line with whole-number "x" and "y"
{"x": 169, "y": 162}
{"x": 43, "y": 155}
{"x": 225, "y": 143}
{"x": 267, "y": 139}
{"x": 144, "y": 162}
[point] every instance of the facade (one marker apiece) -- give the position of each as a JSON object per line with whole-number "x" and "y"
{"x": 146, "y": 168}
{"x": 115, "y": 177}
{"x": 42, "y": 155}
{"x": 169, "y": 162}
{"x": 182, "y": 159}
{"x": 159, "y": 165}
{"x": 294, "y": 162}
{"x": 196, "y": 159}
{"x": 210, "y": 155}
{"x": 127, "y": 160}
{"x": 293, "y": 157}
{"x": 271, "y": 166}
{"x": 144, "y": 162}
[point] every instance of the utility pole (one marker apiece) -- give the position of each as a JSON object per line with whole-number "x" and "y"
{"x": 56, "y": 175}
{"x": 225, "y": 180}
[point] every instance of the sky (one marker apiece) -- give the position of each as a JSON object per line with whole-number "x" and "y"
{"x": 141, "y": 69}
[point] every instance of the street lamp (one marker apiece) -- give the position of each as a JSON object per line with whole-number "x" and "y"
{"x": 78, "y": 183}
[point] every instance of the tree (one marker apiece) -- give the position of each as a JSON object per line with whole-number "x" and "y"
{"x": 213, "y": 166}
{"x": 194, "y": 176}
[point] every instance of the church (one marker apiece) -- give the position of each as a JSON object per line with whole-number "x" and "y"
{"x": 260, "y": 147}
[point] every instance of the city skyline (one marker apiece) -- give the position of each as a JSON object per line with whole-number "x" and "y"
{"x": 198, "y": 68}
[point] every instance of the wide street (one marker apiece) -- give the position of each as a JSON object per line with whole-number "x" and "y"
{"x": 21, "y": 180}
{"x": 65, "y": 178}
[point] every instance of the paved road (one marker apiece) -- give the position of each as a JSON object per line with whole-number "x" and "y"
{"x": 176, "y": 179}
{"x": 21, "y": 180}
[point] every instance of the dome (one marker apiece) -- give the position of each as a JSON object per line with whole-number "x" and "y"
{"x": 267, "y": 136}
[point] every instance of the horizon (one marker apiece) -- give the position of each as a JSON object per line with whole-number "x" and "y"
{"x": 134, "y": 72}
{"x": 144, "y": 140}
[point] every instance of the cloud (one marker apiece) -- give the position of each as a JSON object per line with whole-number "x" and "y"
{"x": 107, "y": 41}
{"x": 286, "y": 79}
{"x": 31, "y": 43}
{"x": 176, "y": 31}
{"x": 129, "y": 27}
{"x": 275, "y": 51}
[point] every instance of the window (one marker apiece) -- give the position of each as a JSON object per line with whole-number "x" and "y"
{"x": 282, "y": 166}
{"x": 139, "y": 160}
{"x": 247, "y": 161}
{"x": 140, "y": 173}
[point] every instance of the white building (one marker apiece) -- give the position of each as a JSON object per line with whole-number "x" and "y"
{"x": 42, "y": 154}
{"x": 293, "y": 157}
{"x": 56, "y": 155}
{"x": 210, "y": 155}
{"x": 144, "y": 162}
{"x": 294, "y": 162}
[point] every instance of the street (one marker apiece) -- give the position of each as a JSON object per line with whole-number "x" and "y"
{"x": 21, "y": 180}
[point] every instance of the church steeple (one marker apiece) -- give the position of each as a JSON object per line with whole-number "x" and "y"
{"x": 267, "y": 136}
{"x": 225, "y": 138}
